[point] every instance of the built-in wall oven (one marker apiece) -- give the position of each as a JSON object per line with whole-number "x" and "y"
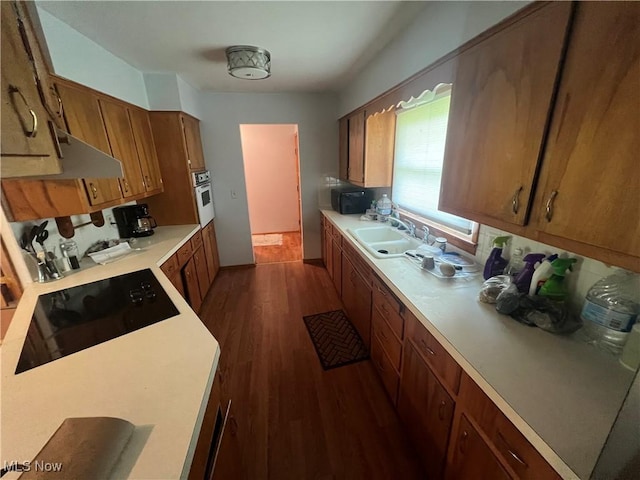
{"x": 204, "y": 196}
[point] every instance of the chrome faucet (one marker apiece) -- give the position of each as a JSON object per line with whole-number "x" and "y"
{"x": 425, "y": 234}
{"x": 408, "y": 226}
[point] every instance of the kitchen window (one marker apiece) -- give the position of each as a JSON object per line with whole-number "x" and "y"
{"x": 421, "y": 131}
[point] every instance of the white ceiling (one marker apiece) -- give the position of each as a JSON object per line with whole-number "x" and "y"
{"x": 314, "y": 45}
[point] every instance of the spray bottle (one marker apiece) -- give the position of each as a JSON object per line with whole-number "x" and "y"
{"x": 541, "y": 274}
{"x": 554, "y": 288}
{"x": 495, "y": 263}
{"x": 523, "y": 279}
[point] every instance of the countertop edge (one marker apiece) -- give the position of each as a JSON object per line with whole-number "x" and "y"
{"x": 545, "y": 450}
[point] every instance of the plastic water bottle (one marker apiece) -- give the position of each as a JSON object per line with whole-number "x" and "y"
{"x": 384, "y": 205}
{"x": 610, "y": 309}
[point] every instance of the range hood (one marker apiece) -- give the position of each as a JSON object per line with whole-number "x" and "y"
{"x": 81, "y": 160}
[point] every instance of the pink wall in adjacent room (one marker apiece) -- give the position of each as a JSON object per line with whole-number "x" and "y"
{"x": 271, "y": 177}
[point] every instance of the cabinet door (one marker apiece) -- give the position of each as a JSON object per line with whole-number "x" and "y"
{"x": 343, "y": 149}
{"x": 336, "y": 265}
{"x": 379, "y": 148}
{"x": 356, "y": 148}
{"x": 210, "y": 245}
{"x": 328, "y": 241}
{"x": 191, "y": 129}
{"x": 27, "y": 144}
{"x": 146, "y": 149}
{"x": 590, "y": 176}
{"x": 201, "y": 272}
{"x": 356, "y": 297}
{"x": 501, "y": 96}
{"x": 123, "y": 146}
{"x": 471, "y": 457}
{"x": 190, "y": 276}
{"x": 426, "y": 411}
{"x": 176, "y": 280}
{"x": 83, "y": 117}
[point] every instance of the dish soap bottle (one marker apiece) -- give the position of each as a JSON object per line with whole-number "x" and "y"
{"x": 610, "y": 310}
{"x": 554, "y": 288}
{"x": 523, "y": 279}
{"x": 495, "y": 263}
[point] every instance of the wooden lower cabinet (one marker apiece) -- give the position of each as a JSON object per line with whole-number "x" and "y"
{"x": 426, "y": 410}
{"x": 201, "y": 272}
{"x": 210, "y": 244}
{"x": 336, "y": 262}
{"x": 328, "y": 255}
{"x": 190, "y": 277}
{"x": 471, "y": 457}
{"x": 356, "y": 297}
{"x": 384, "y": 366}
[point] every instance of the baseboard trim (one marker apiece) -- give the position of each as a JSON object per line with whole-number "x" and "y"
{"x": 314, "y": 261}
{"x": 238, "y": 267}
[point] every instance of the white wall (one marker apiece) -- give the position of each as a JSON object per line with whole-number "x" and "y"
{"x": 436, "y": 31}
{"x": 80, "y": 59}
{"x": 271, "y": 175}
{"x": 189, "y": 98}
{"x": 222, "y": 115}
{"x": 162, "y": 91}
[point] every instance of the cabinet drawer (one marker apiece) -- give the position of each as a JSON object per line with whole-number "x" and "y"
{"x": 184, "y": 254}
{"x": 381, "y": 362}
{"x": 170, "y": 266}
{"x": 387, "y": 338}
{"x": 434, "y": 354}
{"x": 196, "y": 241}
{"x": 388, "y": 307}
{"x": 328, "y": 228}
{"x": 358, "y": 262}
{"x": 513, "y": 448}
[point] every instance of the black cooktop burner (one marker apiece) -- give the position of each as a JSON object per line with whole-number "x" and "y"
{"x": 70, "y": 320}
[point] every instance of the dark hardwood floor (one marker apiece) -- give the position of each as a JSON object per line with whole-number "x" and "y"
{"x": 289, "y": 251}
{"x": 296, "y": 421}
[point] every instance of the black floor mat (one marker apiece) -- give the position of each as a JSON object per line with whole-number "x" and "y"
{"x": 335, "y": 339}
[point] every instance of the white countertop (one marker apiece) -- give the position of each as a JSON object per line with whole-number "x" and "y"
{"x": 158, "y": 378}
{"x": 561, "y": 393}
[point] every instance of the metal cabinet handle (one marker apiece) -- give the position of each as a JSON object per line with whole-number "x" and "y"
{"x": 147, "y": 181}
{"x": 515, "y": 201}
{"x": 511, "y": 452}
{"x": 549, "y": 208}
{"x": 126, "y": 185}
{"x": 426, "y": 347}
{"x": 94, "y": 190}
{"x": 34, "y": 118}
{"x": 382, "y": 291}
{"x": 463, "y": 441}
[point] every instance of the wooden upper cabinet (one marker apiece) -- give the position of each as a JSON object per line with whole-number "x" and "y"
{"x": 379, "y": 148}
{"x": 146, "y": 149}
{"x": 123, "y": 145}
{"x": 356, "y": 147}
{"x": 193, "y": 142}
{"x": 28, "y": 143}
{"x": 84, "y": 120}
{"x": 590, "y": 176}
{"x": 343, "y": 149}
{"x": 501, "y": 97}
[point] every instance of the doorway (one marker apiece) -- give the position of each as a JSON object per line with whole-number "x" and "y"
{"x": 272, "y": 175}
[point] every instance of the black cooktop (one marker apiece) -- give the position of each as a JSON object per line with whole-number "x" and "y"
{"x": 73, "y": 319}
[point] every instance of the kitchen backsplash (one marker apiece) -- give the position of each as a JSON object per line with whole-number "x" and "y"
{"x": 586, "y": 271}
{"x": 84, "y": 236}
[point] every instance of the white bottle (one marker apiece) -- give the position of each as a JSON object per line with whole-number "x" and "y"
{"x": 384, "y": 205}
{"x": 610, "y": 310}
{"x": 541, "y": 274}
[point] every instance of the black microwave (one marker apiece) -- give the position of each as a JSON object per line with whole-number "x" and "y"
{"x": 349, "y": 200}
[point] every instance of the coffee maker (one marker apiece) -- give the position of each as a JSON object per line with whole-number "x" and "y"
{"x": 134, "y": 221}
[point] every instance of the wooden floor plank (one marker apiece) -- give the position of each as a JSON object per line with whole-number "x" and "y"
{"x": 289, "y": 251}
{"x": 295, "y": 420}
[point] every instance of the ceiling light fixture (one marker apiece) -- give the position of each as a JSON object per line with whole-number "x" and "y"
{"x": 249, "y": 63}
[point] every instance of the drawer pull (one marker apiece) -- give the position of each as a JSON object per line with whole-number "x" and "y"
{"x": 30, "y": 133}
{"x": 426, "y": 347}
{"x": 511, "y": 452}
{"x": 441, "y": 410}
{"x": 382, "y": 291}
{"x": 549, "y": 207}
{"x": 463, "y": 441}
{"x": 94, "y": 190}
{"x": 383, "y": 307}
{"x": 515, "y": 201}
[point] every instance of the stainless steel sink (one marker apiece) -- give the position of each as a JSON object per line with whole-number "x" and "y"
{"x": 384, "y": 241}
